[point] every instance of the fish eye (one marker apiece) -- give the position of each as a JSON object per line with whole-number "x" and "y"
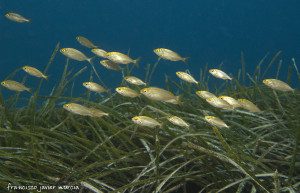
{"x": 3, "y": 83}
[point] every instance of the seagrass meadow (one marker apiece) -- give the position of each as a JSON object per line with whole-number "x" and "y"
{"x": 43, "y": 144}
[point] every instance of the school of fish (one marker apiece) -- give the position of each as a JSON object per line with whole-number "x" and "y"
{"x": 115, "y": 60}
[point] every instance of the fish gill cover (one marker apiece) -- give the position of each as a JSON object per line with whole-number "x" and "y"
{"x": 149, "y": 96}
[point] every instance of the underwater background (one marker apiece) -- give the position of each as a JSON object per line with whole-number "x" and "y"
{"x": 64, "y": 135}
{"x": 209, "y": 32}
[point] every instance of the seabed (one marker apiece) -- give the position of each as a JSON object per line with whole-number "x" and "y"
{"x": 41, "y": 144}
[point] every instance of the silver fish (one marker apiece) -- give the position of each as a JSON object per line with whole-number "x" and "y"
{"x": 205, "y": 94}
{"x": 159, "y": 94}
{"x": 97, "y": 113}
{"x": 219, "y": 103}
{"x": 95, "y": 87}
{"x": 16, "y": 17}
{"x": 233, "y": 102}
{"x": 77, "y": 109}
{"x": 34, "y": 72}
{"x": 75, "y": 54}
{"x": 120, "y": 58}
{"x": 219, "y": 74}
{"x": 169, "y": 55}
{"x": 278, "y": 85}
{"x": 215, "y": 121}
{"x": 110, "y": 65}
{"x": 134, "y": 80}
{"x": 146, "y": 121}
{"x": 14, "y": 86}
{"x": 85, "y": 42}
{"x": 186, "y": 77}
{"x": 127, "y": 92}
{"x": 178, "y": 121}
{"x": 248, "y": 105}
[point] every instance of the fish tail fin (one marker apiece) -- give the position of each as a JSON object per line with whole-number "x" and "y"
{"x": 90, "y": 60}
{"x": 137, "y": 61}
{"x": 46, "y": 77}
{"x": 185, "y": 60}
{"x": 178, "y": 99}
{"x": 29, "y": 90}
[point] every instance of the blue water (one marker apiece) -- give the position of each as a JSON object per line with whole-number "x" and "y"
{"x": 207, "y": 31}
